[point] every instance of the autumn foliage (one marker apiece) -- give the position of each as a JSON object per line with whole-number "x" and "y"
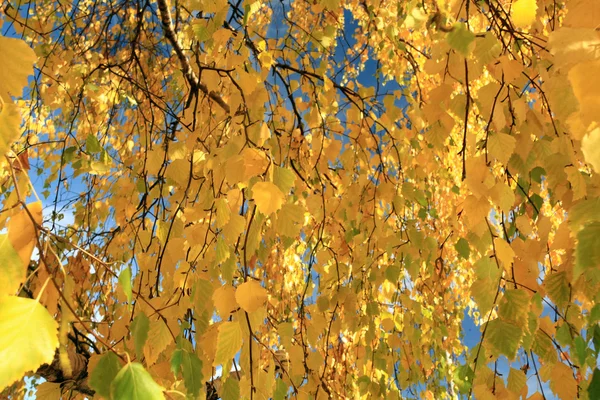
{"x": 300, "y": 199}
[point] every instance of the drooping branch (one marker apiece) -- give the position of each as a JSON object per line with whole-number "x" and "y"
{"x": 188, "y": 72}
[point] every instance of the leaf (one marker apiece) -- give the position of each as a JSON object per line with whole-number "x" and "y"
{"x": 15, "y": 68}
{"x": 133, "y": 382}
{"x": 139, "y": 331}
{"x": 159, "y": 338}
{"x": 224, "y": 299}
{"x": 523, "y": 13}
{"x": 102, "y": 375}
{"x": 92, "y": 145}
{"x": 462, "y": 247}
{"x": 558, "y": 289}
{"x": 504, "y": 252}
{"x": 28, "y": 337}
{"x": 516, "y": 380}
{"x": 10, "y": 119}
{"x": 504, "y": 337}
{"x": 562, "y": 382}
{"x": 125, "y": 282}
{"x": 191, "y": 368}
{"x": 231, "y": 389}
{"x": 594, "y": 387}
{"x": 48, "y": 391}
{"x": 229, "y": 342}
{"x": 267, "y": 196}
{"x": 501, "y": 146}
{"x": 22, "y": 230}
{"x": 514, "y": 306}
{"x": 12, "y": 270}
{"x": 588, "y": 248}
{"x": 461, "y": 38}
{"x": 590, "y": 146}
{"x": 284, "y": 179}
{"x": 250, "y": 296}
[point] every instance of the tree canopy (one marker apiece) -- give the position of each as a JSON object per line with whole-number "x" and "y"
{"x": 300, "y": 199}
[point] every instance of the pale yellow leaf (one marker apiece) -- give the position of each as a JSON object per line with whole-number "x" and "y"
{"x": 159, "y": 338}
{"x": 590, "y": 146}
{"x": 28, "y": 337}
{"x": 229, "y": 342}
{"x": 15, "y": 67}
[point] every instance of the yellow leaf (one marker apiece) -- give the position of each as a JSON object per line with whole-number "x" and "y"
{"x": 501, "y": 146}
{"x": 268, "y": 197}
{"x": 562, "y": 382}
{"x": 12, "y": 270}
{"x": 10, "y": 118}
{"x": 28, "y": 337}
{"x": 250, "y": 296}
{"x": 523, "y": 13}
{"x": 229, "y": 342}
{"x": 15, "y": 67}
{"x": 590, "y": 146}
{"x": 22, "y": 231}
{"x": 224, "y": 299}
{"x": 504, "y": 252}
{"x": 158, "y": 340}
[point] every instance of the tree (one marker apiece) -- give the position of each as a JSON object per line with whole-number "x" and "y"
{"x": 314, "y": 195}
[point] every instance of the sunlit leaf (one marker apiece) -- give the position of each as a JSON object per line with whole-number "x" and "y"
{"x": 229, "y": 342}
{"x": 250, "y": 296}
{"x": 135, "y": 383}
{"x": 267, "y": 196}
{"x": 28, "y": 337}
{"x": 523, "y": 12}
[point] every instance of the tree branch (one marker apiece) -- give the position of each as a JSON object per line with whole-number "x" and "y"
{"x": 188, "y": 72}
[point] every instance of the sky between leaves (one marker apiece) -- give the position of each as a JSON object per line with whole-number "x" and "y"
{"x": 242, "y": 200}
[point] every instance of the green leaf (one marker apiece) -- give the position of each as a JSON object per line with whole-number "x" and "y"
{"x": 580, "y": 349}
{"x": 125, "y": 282}
{"x": 284, "y": 179}
{"x": 588, "y": 248}
{"x": 504, "y": 337}
{"x": 191, "y": 367}
{"x": 92, "y": 145}
{"x": 102, "y": 376}
{"x": 558, "y": 288}
{"x": 229, "y": 342}
{"x": 594, "y": 388}
{"x": 463, "y": 378}
{"x": 133, "y": 382}
{"x": 231, "y": 389}
{"x": 583, "y": 212}
{"x": 12, "y": 270}
{"x": 514, "y": 306}
{"x": 392, "y": 273}
{"x": 176, "y": 360}
{"x": 139, "y": 329}
{"x": 281, "y": 390}
{"x": 461, "y": 38}
{"x": 28, "y": 337}
{"x": 462, "y": 247}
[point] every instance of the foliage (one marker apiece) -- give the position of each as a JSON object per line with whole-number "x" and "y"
{"x": 314, "y": 195}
